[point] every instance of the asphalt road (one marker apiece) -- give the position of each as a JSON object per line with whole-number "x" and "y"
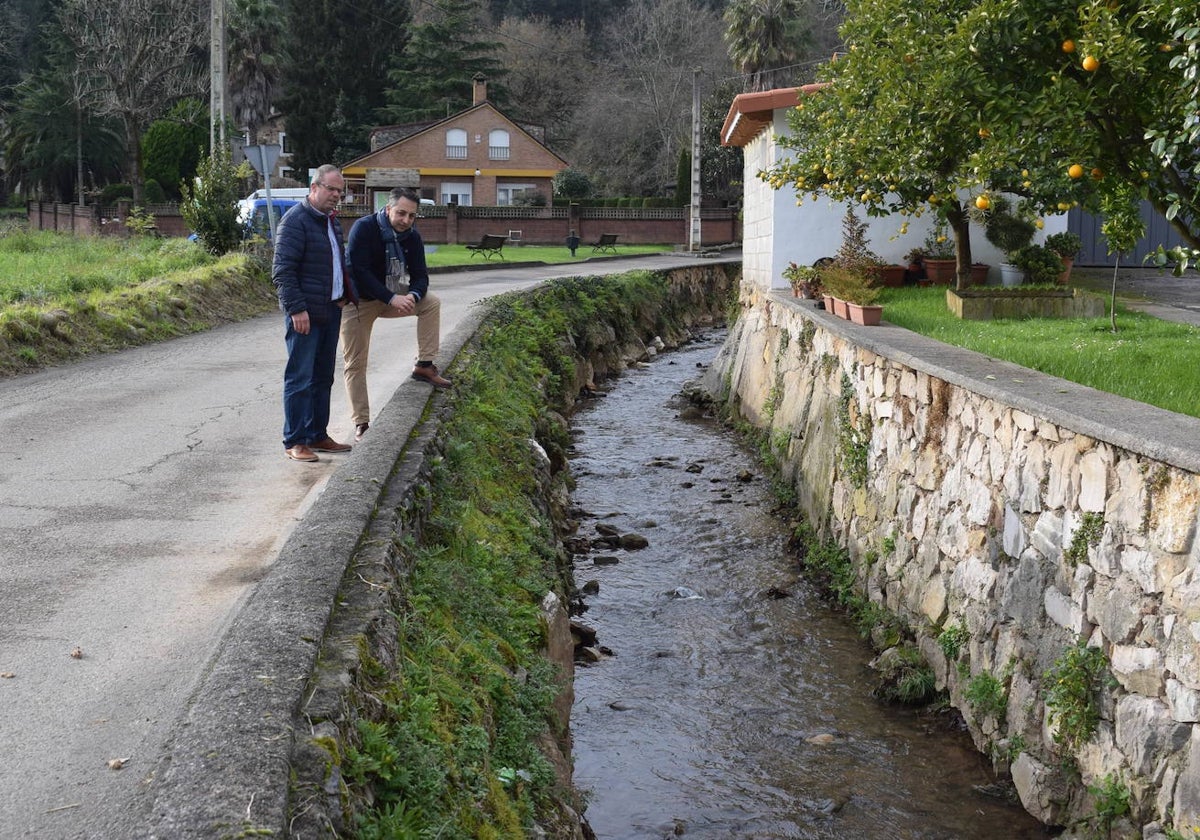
{"x": 142, "y": 495}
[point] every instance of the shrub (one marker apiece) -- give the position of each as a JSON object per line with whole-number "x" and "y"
{"x": 952, "y": 639}
{"x": 154, "y": 193}
{"x": 1064, "y": 245}
{"x": 1040, "y": 264}
{"x": 209, "y": 206}
{"x": 1007, "y": 230}
{"x": 113, "y": 192}
{"x": 987, "y": 695}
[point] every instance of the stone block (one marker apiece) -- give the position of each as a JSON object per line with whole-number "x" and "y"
{"x": 1138, "y": 669}
{"x": 1014, "y": 539}
{"x": 1184, "y": 702}
{"x": 1146, "y": 733}
{"x": 1173, "y": 513}
{"x": 1127, "y": 503}
{"x": 1186, "y": 804}
{"x": 1182, "y": 656}
{"x": 1115, "y": 606}
{"x": 1042, "y": 789}
{"x": 1063, "y": 611}
{"x": 1048, "y": 534}
{"x": 975, "y": 579}
{"x": 933, "y": 599}
{"x": 1021, "y": 597}
{"x": 1140, "y": 566}
{"x": 1063, "y": 485}
{"x": 1093, "y": 481}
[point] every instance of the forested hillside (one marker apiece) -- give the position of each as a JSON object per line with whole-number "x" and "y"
{"x": 610, "y": 80}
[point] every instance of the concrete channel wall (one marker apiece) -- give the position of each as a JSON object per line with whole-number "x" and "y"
{"x": 257, "y": 751}
{"x": 1031, "y": 512}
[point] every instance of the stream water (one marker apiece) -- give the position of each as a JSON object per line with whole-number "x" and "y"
{"x": 736, "y": 703}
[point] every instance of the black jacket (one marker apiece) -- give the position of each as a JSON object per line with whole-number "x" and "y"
{"x": 302, "y": 270}
{"x": 368, "y": 259}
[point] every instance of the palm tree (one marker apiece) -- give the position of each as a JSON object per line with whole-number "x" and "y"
{"x": 255, "y": 39}
{"x": 764, "y": 35}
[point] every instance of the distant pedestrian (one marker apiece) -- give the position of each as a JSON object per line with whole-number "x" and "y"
{"x": 387, "y": 261}
{"x": 313, "y": 285}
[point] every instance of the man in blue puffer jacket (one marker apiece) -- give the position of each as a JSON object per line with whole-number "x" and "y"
{"x": 310, "y": 277}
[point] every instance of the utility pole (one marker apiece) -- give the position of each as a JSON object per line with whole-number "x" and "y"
{"x": 216, "y": 81}
{"x": 694, "y": 231}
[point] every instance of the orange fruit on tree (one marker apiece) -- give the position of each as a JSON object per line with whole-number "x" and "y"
{"x": 1068, "y": 46}
{"x": 983, "y": 202}
{"x": 985, "y": 133}
{"x": 1097, "y": 173}
{"x": 1076, "y": 171}
{"x": 1091, "y": 63}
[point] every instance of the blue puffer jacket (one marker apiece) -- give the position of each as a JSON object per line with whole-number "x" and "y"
{"x": 302, "y": 270}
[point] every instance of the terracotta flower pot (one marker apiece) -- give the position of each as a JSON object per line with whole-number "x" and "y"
{"x": 940, "y": 271}
{"x": 979, "y": 274}
{"x": 1067, "y": 262}
{"x": 867, "y": 316}
{"x": 891, "y": 275}
{"x": 839, "y": 308}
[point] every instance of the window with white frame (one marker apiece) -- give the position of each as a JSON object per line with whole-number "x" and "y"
{"x": 456, "y": 144}
{"x": 497, "y": 144}
{"x": 506, "y": 194}
{"x": 456, "y": 193}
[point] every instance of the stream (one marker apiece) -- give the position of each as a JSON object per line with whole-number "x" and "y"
{"x": 736, "y": 703}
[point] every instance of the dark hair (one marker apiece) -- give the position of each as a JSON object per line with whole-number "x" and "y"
{"x": 403, "y": 192}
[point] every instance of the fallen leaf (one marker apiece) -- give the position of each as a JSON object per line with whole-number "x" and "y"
{"x": 77, "y": 653}
{"x": 117, "y": 763}
{"x": 7, "y": 675}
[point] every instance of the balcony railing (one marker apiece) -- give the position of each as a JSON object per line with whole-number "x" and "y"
{"x": 456, "y": 152}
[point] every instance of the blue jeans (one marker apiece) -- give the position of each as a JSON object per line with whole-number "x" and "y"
{"x": 308, "y": 380}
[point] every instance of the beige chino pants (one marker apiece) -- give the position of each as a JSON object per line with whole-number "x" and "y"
{"x": 357, "y": 322}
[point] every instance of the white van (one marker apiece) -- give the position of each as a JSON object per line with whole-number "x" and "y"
{"x": 292, "y": 195}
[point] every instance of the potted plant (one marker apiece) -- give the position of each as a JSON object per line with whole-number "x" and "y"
{"x": 805, "y": 280}
{"x": 854, "y": 253}
{"x": 916, "y": 266}
{"x": 1039, "y": 263}
{"x": 1065, "y": 246}
{"x": 857, "y": 294}
{"x": 1009, "y": 231}
{"x": 939, "y": 260}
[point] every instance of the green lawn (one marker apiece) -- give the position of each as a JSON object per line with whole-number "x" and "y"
{"x": 1153, "y": 361}
{"x": 444, "y": 256}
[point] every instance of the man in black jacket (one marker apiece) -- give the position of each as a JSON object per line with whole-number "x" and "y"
{"x": 313, "y": 285}
{"x": 387, "y": 260}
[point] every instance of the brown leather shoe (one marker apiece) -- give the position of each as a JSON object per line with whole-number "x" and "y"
{"x": 300, "y": 452}
{"x": 430, "y": 374}
{"x": 360, "y": 430}
{"x": 331, "y": 445}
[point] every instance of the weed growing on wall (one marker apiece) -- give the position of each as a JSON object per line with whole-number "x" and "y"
{"x": 853, "y": 443}
{"x": 1086, "y": 536}
{"x": 1112, "y": 797}
{"x": 1072, "y": 686}
{"x": 987, "y": 695}
{"x": 952, "y": 640}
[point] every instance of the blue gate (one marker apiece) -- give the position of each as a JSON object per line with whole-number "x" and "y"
{"x": 1095, "y": 247}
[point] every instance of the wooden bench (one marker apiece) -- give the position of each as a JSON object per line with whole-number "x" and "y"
{"x": 606, "y": 242}
{"x": 489, "y": 246}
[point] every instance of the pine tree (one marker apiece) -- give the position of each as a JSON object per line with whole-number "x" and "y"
{"x": 447, "y": 51}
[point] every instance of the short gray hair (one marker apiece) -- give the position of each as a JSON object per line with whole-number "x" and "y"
{"x": 323, "y": 170}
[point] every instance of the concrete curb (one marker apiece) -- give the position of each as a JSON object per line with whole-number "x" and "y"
{"x": 226, "y": 766}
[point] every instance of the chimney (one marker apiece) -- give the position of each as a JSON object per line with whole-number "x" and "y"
{"x": 479, "y": 92}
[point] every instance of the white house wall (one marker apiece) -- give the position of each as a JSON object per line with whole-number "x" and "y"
{"x": 776, "y": 231}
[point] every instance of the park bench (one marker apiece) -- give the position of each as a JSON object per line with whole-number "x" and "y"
{"x": 606, "y": 242}
{"x": 489, "y": 246}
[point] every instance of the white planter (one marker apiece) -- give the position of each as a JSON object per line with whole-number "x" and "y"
{"x": 1010, "y": 275}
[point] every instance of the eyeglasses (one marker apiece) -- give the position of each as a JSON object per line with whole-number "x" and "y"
{"x": 337, "y": 190}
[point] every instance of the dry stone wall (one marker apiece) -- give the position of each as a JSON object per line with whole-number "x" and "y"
{"x": 1033, "y": 514}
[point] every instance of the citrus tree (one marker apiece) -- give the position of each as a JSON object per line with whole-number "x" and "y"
{"x": 1055, "y": 101}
